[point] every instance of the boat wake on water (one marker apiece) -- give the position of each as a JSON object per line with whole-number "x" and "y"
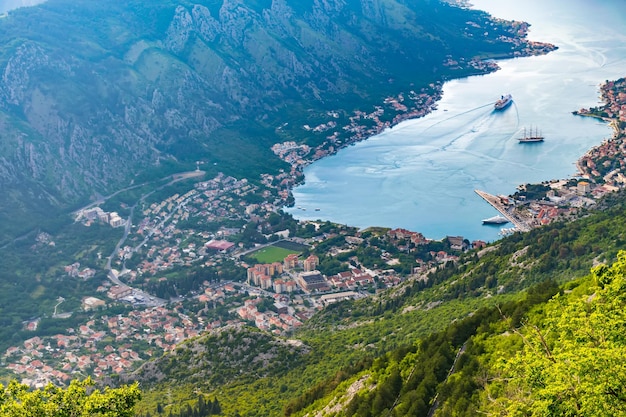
{"x": 510, "y": 163}
{"x": 456, "y": 116}
{"x": 474, "y": 129}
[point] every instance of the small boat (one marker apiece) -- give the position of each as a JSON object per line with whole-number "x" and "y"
{"x": 496, "y": 220}
{"x": 531, "y": 136}
{"x": 503, "y": 102}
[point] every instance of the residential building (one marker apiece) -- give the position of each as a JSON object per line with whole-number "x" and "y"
{"x": 119, "y": 291}
{"x": 311, "y": 263}
{"x": 291, "y": 261}
{"x": 115, "y": 220}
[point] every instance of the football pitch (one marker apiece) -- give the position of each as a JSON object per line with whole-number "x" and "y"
{"x": 270, "y": 254}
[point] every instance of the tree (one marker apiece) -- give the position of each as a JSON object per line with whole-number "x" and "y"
{"x": 80, "y": 399}
{"x": 573, "y": 362}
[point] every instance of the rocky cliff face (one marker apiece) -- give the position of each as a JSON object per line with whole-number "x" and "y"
{"x": 93, "y": 93}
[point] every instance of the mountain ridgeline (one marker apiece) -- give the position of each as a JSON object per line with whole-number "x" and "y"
{"x": 94, "y": 95}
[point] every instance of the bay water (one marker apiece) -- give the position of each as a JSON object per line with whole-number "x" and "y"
{"x": 421, "y": 174}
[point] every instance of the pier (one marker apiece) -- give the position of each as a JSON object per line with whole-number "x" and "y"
{"x": 496, "y": 203}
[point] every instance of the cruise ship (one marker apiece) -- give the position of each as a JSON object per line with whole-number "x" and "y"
{"x": 503, "y": 102}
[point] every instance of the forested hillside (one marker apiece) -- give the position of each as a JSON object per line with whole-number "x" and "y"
{"x": 553, "y": 351}
{"x": 395, "y": 351}
{"x": 81, "y": 398}
{"x": 530, "y": 357}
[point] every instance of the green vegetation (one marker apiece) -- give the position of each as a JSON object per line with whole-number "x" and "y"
{"x": 224, "y": 356}
{"x": 553, "y": 352}
{"x": 33, "y": 277}
{"x": 568, "y": 357}
{"x": 405, "y": 381}
{"x": 532, "y": 192}
{"x": 78, "y": 400}
{"x": 271, "y": 253}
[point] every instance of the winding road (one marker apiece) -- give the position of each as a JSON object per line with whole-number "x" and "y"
{"x": 113, "y": 275}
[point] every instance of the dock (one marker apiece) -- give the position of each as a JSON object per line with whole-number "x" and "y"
{"x": 496, "y": 203}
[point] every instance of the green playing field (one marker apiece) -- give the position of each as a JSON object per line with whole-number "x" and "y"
{"x": 270, "y": 254}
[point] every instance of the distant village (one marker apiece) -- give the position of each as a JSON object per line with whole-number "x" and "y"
{"x": 276, "y": 297}
{"x": 361, "y": 125}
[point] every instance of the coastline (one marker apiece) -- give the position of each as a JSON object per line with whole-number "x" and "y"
{"x": 568, "y": 195}
{"x": 404, "y": 105}
{"x": 593, "y": 167}
{"x": 579, "y": 158}
{"x": 299, "y": 155}
{"x": 580, "y": 169}
{"x": 613, "y": 95}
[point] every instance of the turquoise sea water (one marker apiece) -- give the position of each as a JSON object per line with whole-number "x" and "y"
{"x": 421, "y": 174}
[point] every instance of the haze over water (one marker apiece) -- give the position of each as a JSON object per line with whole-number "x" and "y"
{"x": 421, "y": 174}
{"x": 8, "y": 5}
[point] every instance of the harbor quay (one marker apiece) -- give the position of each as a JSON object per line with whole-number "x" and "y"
{"x": 496, "y": 202}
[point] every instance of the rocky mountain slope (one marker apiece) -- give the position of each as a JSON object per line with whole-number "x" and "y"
{"x": 93, "y": 94}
